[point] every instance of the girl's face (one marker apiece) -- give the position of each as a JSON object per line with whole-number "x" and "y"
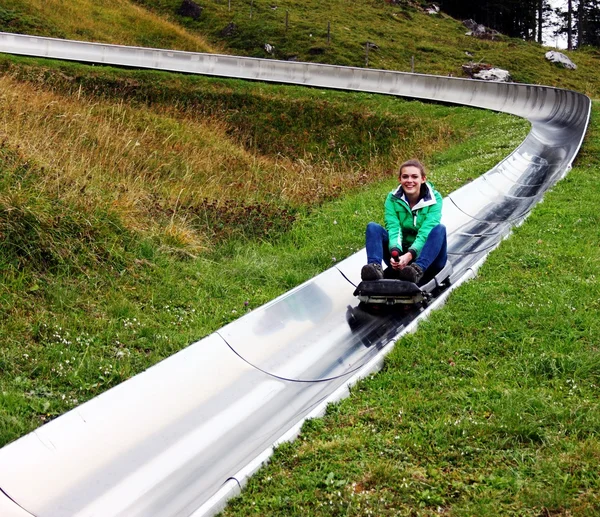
{"x": 411, "y": 180}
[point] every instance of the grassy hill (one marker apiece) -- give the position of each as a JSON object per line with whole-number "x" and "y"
{"x": 141, "y": 210}
{"x": 105, "y": 21}
{"x": 405, "y": 37}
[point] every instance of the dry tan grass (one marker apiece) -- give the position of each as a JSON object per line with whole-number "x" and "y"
{"x": 154, "y": 167}
{"x": 111, "y": 21}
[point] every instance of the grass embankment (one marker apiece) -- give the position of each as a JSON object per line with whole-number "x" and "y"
{"x": 405, "y": 37}
{"x": 106, "y": 21}
{"x": 203, "y": 156}
{"x": 140, "y": 211}
{"x": 490, "y": 408}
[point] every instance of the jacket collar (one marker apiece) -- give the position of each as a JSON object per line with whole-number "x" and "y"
{"x": 427, "y": 197}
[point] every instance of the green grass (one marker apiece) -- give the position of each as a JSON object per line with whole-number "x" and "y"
{"x": 490, "y": 408}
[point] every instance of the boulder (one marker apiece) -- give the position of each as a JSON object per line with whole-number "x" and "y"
{"x": 486, "y": 72}
{"x": 558, "y": 57}
{"x": 479, "y": 31}
{"x": 190, "y": 9}
{"x": 494, "y": 74}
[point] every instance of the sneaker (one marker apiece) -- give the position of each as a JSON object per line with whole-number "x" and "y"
{"x": 412, "y": 273}
{"x": 371, "y": 272}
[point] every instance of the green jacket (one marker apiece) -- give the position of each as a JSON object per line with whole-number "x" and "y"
{"x": 408, "y": 229}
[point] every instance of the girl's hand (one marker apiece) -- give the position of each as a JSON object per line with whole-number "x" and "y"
{"x": 402, "y": 262}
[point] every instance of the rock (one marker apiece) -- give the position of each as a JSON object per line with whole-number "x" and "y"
{"x": 471, "y": 24}
{"x": 268, "y": 48}
{"x": 479, "y": 31}
{"x": 433, "y": 9}
{"x": 494, "y": 74}
{"x": 473, "y": 68}
{"x": 190, "y": 9}
{"x": 558, "y": 57}
{"x": 486, "y": 72}
{"x": 229, "y": 30}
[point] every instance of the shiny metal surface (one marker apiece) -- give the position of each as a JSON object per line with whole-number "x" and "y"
{"x": 8, "y": 508}
{"x": 182, "y": 437}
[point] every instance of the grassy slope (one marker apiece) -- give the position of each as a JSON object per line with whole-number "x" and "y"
{"x": 107, "y": 21}
{"x": 435, "y": 44}
{"x": 405, "y": 37}
{"x": 94, "y": 293}
{"x": 192, "y": 155}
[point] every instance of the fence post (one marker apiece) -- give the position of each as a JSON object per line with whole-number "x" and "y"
{"x": 367, "y": 54}
{"x": 328, "y": 33}
{"x": 412, "y": 64}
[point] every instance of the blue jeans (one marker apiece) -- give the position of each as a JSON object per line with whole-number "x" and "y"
{"x": 433, "y": 255}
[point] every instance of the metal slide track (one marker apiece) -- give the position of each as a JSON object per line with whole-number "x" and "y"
{"x": 182, "y": 437}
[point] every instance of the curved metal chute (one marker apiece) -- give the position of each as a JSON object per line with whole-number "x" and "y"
{"x": 183, "y": 436}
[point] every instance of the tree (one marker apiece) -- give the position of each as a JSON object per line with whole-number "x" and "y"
{"x": 588, "y": 23}
{"x": 540, "y": 14}
{"x": 517, "y": 18}
{"x": 580, "y": 22}
{"x": 570, "y": 24}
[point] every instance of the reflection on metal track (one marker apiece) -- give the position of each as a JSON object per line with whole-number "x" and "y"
{"x": 182, "y": 437}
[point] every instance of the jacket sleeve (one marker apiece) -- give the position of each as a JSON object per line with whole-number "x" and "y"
{"x": 432, "y": 219}
{"x": 392, "y": 223}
